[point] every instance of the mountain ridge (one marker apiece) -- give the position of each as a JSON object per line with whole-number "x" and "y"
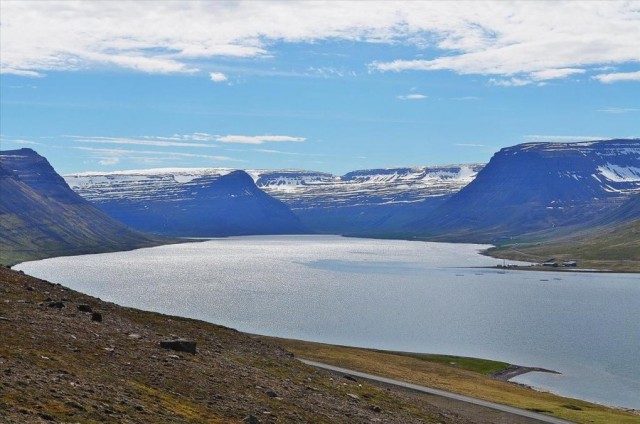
{"x": 536, "y": 186}
{"x": 200, "y": 202}
{"x": 324, "y": 203}
{"x": 40, "y": 216}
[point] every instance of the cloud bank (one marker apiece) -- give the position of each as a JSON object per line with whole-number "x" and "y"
{"x": 414, "y": 96}
{"x": 524, "y": 41}
{"x": 259, "y": 139}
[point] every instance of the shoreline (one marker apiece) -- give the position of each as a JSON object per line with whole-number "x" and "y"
{"x": 513, "y": 371}
{"x": 114, "y": 344}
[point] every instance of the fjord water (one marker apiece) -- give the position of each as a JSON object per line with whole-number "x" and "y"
{"x": 387, "y": 294}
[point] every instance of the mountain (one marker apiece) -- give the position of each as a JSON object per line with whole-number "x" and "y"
{"x": 40, "y": 216}
{"x": 537, "y": 186}
{"x": 373, "y": 200}
{"x": 187, "y": 202}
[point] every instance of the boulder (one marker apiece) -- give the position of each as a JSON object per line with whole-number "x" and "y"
{"x": 251, "y": 419}
{"x": 180, "y": 345}
{"x": 96, "y": 316}
{"x": 84, "y": 308}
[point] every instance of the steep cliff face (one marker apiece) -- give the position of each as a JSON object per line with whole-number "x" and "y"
{"x": 537, "y": 186}
{"x": 187, "y": 202}
{"x": 40, "y": 216}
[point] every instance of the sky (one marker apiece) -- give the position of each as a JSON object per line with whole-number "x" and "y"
{"x": 326, "y": 86}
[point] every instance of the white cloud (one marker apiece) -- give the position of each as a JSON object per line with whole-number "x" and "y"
{"x": 19, "y": 141}
{"x": 618, "y": 110}
{"x": 280, "y": 152}
{"x": 109, "y": 161}
{"x": 218, "y": 77}
{"x": 511, "y": 82}
{"x": 413, "y": 96}
{"x": 109, "y": 154}
{"x": 328, "y": 71}
{"x": 618, "y": 76}
{"x": 259, "y": 139}
{"x": 138, "y": 142}
{"x": 20, "y": 72}
{"x": 549, "y": 74}
{"x": 505, "y": 39}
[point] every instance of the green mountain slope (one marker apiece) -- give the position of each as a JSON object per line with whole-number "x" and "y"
{"x": 611, "y": 241}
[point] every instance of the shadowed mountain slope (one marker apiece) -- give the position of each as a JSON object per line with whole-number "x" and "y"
{"x": 40, "y": 216}
{"x": 538, "y": 186}
{"x": 187, "y": 202}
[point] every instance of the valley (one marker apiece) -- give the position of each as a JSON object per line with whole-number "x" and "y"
{"x": 270, "y": 212}
{"x": 533, "y": 199}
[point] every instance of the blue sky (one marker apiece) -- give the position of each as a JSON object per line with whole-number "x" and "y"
{"x": 328, "y": 86}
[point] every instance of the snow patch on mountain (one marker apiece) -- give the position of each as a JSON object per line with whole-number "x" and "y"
{"x": 298, "y": 188}
{"x": 619, "y": 173}
{"x": 156, "y": 184}
{"x": 307, "y": 189}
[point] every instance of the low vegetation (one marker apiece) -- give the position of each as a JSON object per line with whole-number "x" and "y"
{"x": 467, "y": 376}
{"x": 615, "y": 248}
{"x": 59, "y": 365}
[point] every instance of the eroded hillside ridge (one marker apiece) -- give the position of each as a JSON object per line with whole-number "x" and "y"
{"x": 40, "y": 216}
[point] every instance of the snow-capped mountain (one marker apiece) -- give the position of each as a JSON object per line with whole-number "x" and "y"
{"x": 356, "y": 201}
{"x": 187, "y": 202}
{"x": 146, "y": 184}
{"x": 538, "y": 186}
{"x": 305, "y": 189}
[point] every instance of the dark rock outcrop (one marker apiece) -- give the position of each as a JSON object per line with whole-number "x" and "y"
{"x": 179, "y": 345}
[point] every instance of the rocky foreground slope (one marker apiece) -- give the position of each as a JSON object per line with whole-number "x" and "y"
{"x": 59, "y": 365}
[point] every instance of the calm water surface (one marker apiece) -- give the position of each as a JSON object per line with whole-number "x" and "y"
{"x": 387, "y": 294}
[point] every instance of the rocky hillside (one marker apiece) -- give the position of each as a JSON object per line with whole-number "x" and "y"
{"x": 187, "y": 202}
{"x": 40, "y": 216}
{"x": 537, "y": 186}
{"x": 60, "y": 363}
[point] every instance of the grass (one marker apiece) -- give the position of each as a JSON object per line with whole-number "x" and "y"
{"x": 614, "y": 248}
{"x": 481, "y": 366}
{"x": 180, "y": 406}
{"x": 467, "y": 376}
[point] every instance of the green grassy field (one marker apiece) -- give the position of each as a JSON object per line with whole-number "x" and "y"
{"x": 614, "y": 248}
{"x": 467, "y": 376}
